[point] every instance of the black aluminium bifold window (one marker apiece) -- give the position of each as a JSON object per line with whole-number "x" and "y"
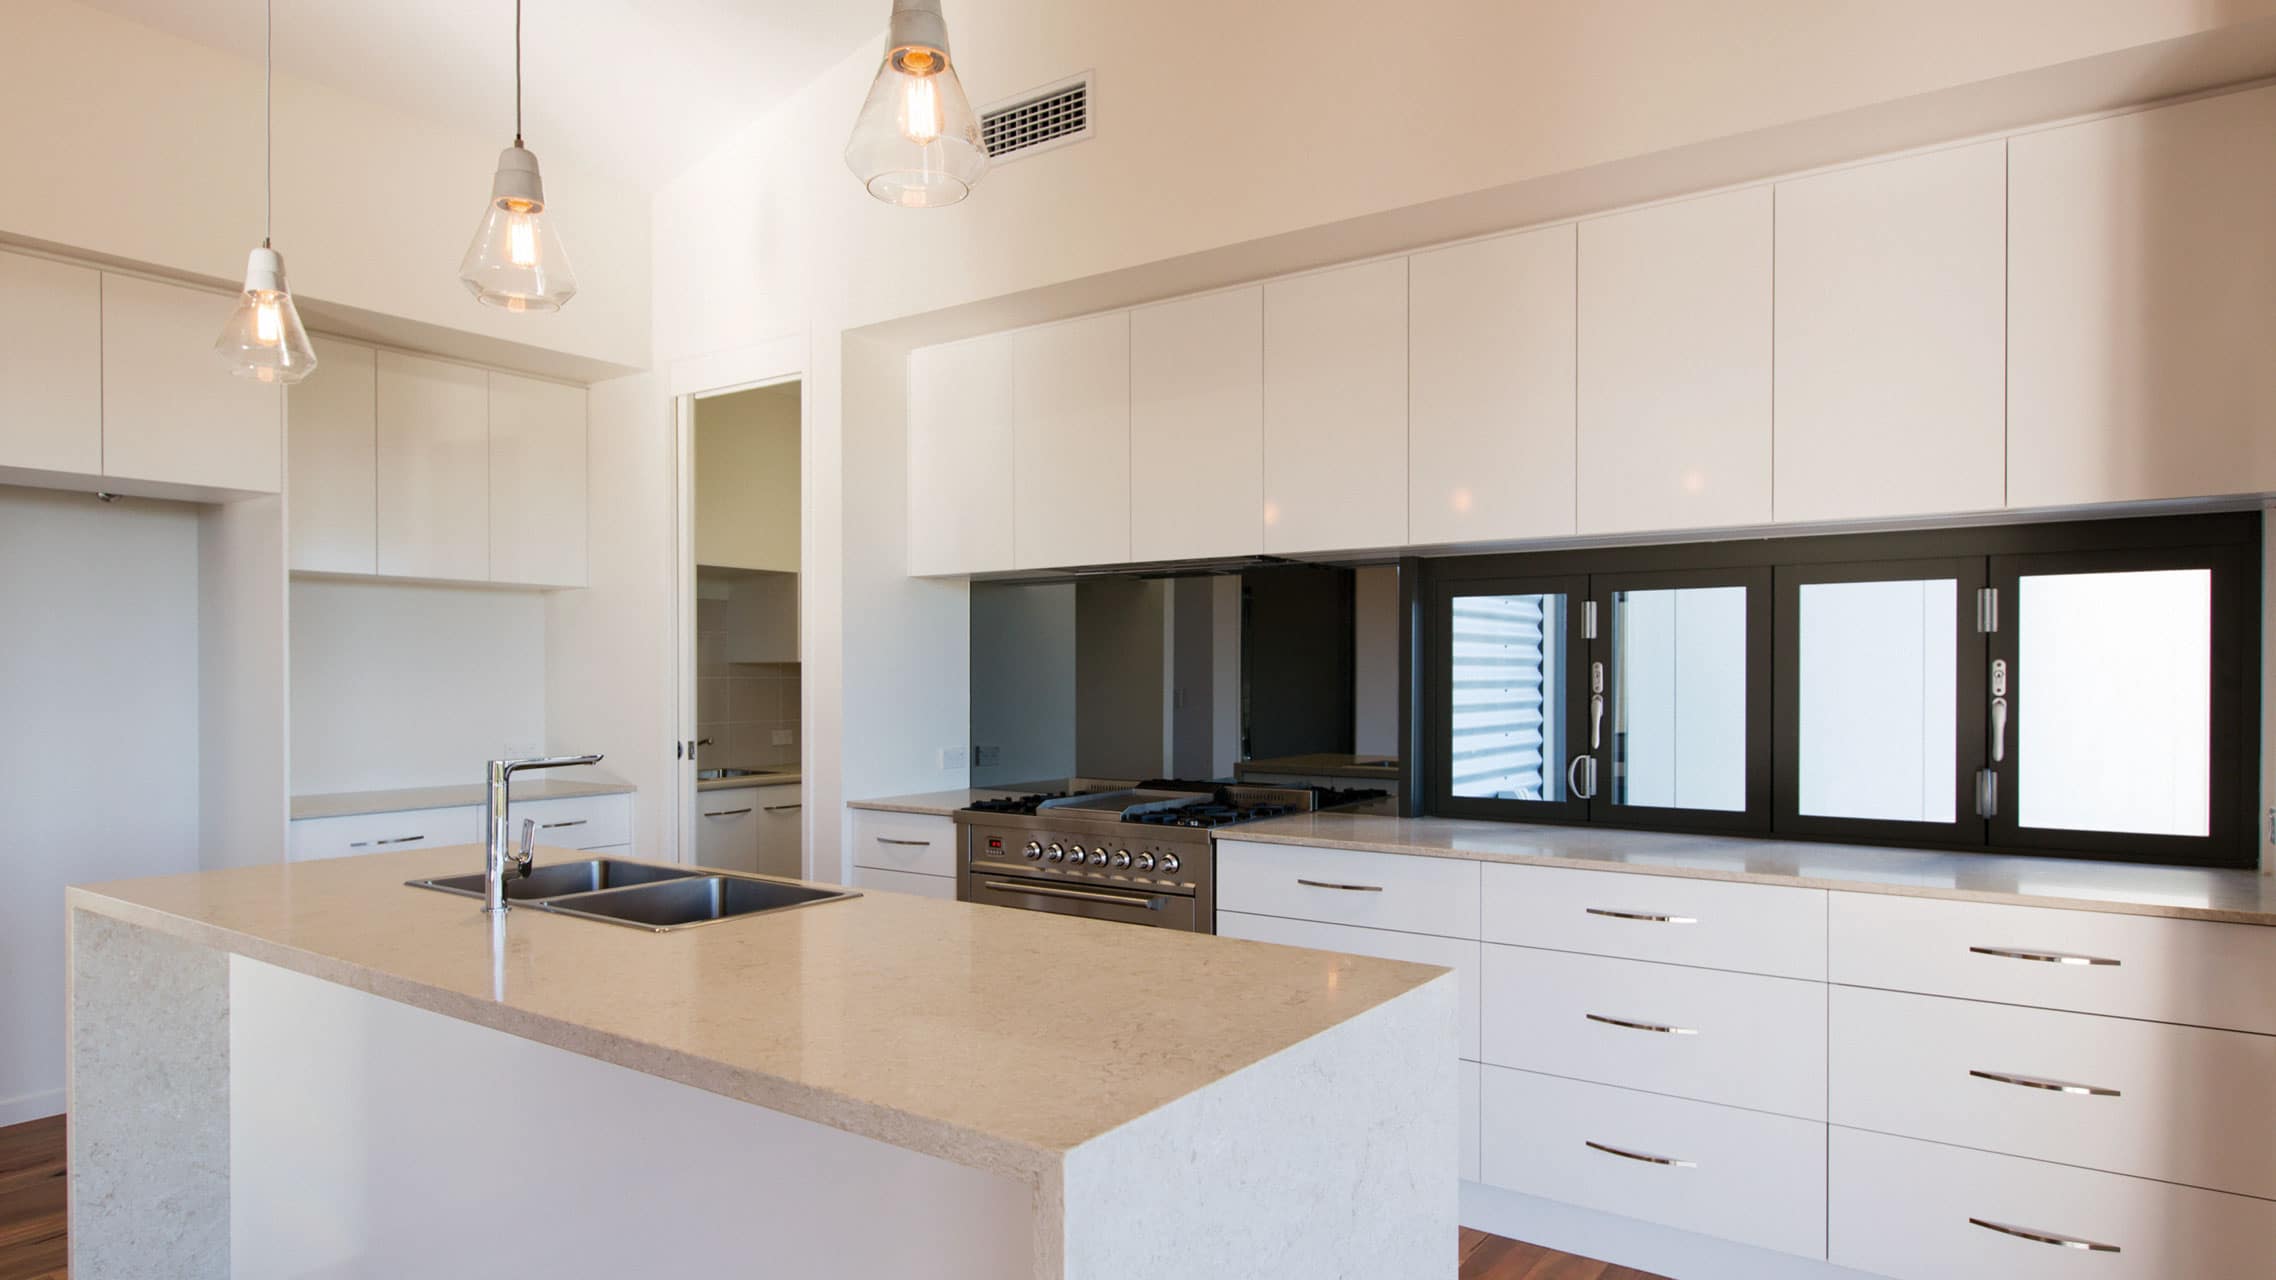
{"x": 2085, "y": 689}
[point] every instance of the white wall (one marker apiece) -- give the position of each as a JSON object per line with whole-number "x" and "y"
{"x": 770, "y": 239}
{"x": 243, "y": 718}
{"x": 396, "y": 685}
{"x": 98, "y": 739}
{"x": 129, "y": 143}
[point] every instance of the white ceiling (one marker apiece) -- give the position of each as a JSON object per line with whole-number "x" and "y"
{"x": 638, "y": 88}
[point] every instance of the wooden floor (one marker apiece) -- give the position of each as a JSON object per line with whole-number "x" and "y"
{"x": 31, "y": 1222}
{"x": 31, "y": 1200}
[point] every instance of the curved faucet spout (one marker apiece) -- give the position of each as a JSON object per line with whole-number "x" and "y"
{"x": 498, "y": 823}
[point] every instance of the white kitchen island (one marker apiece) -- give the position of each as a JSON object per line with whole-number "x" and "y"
{"x": 315, "y": 1070}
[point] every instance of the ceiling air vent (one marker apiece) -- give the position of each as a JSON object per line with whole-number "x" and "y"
{"x": 1031, "y": 122}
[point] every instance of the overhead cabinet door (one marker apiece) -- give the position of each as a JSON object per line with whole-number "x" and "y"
{"x": 1197, "y": 427}
{"x": 1335, "y": 410}
{"x": 434, "y": 469}
{"x": 332, "y": 442}
{"x": 960, "y": 443}
{"x": 1490, "y": 398}
{"x": 51, "y": 365}
{"x": 1891, "y": 306}
{"x": 1675, "y": 398}
{"x": 1070, "y": 443}
{"x": 172, "y": 412}
{"x": 2139, "y": 323}
{"x": 537, "y": 482}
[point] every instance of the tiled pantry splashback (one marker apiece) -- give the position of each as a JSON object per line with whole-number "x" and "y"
{"x": 743, "y": 707}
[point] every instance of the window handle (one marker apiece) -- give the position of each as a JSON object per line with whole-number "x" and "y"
{"x": 1596, "y": 706}
{"x": 1583, "y": 786}
{"x": 1999, "y": 710}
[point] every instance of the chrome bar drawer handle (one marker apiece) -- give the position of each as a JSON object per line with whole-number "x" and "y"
{"x": 401, "y": 840}
{"x": 1652, "y": 917}
{"x": 1078, "y": 895}
{"x": 2045, "y": 1237}
{"x": 1642, "y": 1026}
{"x": 921, "y": 844}
{"x": 778, "y": 808}
{"x": 2051, "y": 1086}
{"x": 727, "y": 813}
{"x": 1349, "y": 888}
{"x": 2043, "y": 957}
{"x": 573, "y": 822}
{"x": 1669, "y": 1161}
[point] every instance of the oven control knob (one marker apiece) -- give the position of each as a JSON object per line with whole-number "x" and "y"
{"x": 1122, "y": 859}
{"x": 1098, "y": 857}
{"x": 1034, "y": 851}
{"x": 1170, "y": 864}
{"x": 1145, "y": 862}
{"x": 1054, "y": 853}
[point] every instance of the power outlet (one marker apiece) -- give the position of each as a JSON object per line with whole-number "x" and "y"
{"x": 987, "y": 757}
{"x": 951, "y": 758}
{"x": 782, "y": 737}
{"x": 523, "y": 750}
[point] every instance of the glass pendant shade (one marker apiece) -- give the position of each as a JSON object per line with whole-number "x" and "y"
{"x": 917, "y": 141}
{"x": 263, "y": 339}
{"x": 516, "y": 261}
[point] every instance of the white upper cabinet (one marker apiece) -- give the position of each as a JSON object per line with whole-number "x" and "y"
{"x": 2141, "y": 339}
{"x": 434, "y": 469}
{"x": 1197, "y": 392}
{"x": 1335, "y": 409}
{"x": 1675, "y": 376}
{"x": 172, "y": 411}
{"x": 537, "y": 482}
{"x": 331, "y": 443}
{"x": 1070, "y": 443}
{"x": 1490, "y": 430}
{"x": 51, "y": 365}
{"x": 1891, "y": 316}
{"x": 960, "y": 448}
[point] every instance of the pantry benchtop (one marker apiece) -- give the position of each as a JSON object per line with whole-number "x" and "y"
{"x": 341, "y": 804}
{"x": 896, "y": 1017}
{"x": 2187, "y": 893}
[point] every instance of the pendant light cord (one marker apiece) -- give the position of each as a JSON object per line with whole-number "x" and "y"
{"x": 517, "y": 72}
{"x": 269, "y": 121}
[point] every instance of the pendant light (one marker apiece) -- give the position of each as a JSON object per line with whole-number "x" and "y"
{"x": 917, "y": 142}
{"x": 263, "y": 338}
{"x": 516, "y": 262}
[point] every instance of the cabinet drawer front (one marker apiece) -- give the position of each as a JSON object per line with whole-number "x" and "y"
{"x": 1714, "y": 924}
{"x": 578, "y": 822}
{"x": 1344, "y": 886}
{"x": 2141, "y": 1098}
{"x": 1739, "y": 1175}
{"x": 1458, "y": 954}
{"x": 1732, "y": 1038}
{"x": 359, "y": 833}
{"x": 1911, "y": 1210}
{"x": 924, "y": 886}
{"x": 919, "y": 842}
{"x": 2190, "y": 971}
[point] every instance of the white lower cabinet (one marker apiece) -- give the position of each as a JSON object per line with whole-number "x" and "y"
{"x": 924, "y": 886}
{"x": 2141, "y": 1098}
{"x": 923, "y": 843}
{"x": 1720, "y": 1171}
{"x": 727, "y": 829}
{"x": 578, "y": 822}
{"x": 1914, "y": 1210}
{"x": 781, "y": 842}
{"x": 1731, "y": 1038}
{"x": 358, "y": 833}
{"x": 1458, "y": 954}
{"x": 1345, "y": 886}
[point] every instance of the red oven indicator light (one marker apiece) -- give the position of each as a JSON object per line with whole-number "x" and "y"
{"x": 995, "y": 842}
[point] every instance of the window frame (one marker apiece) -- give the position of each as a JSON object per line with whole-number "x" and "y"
{"x": 1967, "y": 828}
{"x": 1439, "y": 683}
{"x": 2230, "y": 542}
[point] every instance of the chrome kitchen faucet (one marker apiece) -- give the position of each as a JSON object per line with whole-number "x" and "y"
{"x": 500, "y": 825}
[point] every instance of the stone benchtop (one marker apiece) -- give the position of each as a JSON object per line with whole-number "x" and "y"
{"x": 940, "y": 1027}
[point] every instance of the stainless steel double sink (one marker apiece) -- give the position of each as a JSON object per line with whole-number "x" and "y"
{"x": 642, "y": 895}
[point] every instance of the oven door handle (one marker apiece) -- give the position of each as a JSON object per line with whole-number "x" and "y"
{"x": 1154, "y": 903}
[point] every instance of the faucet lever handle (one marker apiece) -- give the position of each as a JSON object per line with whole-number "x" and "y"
{"x": 529, "y": 845}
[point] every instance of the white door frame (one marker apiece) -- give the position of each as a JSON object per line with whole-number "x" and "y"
{"x": 723, "y": 373}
